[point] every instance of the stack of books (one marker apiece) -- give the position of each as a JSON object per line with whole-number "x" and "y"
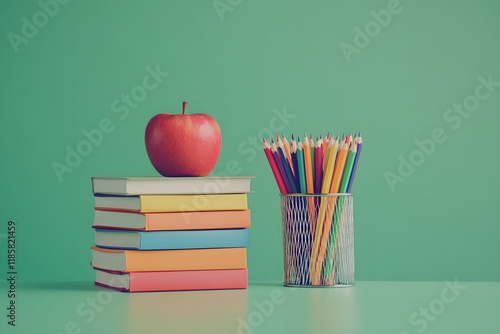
{"x": 170, "y": 234}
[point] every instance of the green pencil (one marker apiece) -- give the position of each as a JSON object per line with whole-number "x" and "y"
{"x": 332, "y": 242}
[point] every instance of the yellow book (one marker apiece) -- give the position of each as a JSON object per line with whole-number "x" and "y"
{"x": 167, "y": 260}
{"x": 172, "y": 203}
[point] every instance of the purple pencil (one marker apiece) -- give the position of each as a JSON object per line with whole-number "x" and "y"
{"x": 355, "y": 166}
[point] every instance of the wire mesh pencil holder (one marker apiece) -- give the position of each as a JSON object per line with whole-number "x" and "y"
{"x": 318, "y": 239}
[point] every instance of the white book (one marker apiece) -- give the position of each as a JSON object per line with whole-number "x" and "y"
{"x": 171, "y": 185}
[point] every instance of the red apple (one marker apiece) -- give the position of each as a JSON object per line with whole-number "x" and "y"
{"x": 182, "y": 144}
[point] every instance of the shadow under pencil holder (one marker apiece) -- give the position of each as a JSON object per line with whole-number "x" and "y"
{"x": 318, "y": 239}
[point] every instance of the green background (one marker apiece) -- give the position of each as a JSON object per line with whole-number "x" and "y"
{"x": 243, "y": 67}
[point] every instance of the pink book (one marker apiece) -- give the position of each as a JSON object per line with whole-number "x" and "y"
{"x": 173, "y": 280}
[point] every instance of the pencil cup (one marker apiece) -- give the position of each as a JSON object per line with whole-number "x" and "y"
{"x": 318, "y": 239}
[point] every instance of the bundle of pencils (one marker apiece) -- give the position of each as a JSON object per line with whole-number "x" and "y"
{"x": 322, "y": 166}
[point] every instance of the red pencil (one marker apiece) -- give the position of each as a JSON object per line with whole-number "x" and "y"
{"x": 274, "y": 167}
{"x": 318, "y": 165}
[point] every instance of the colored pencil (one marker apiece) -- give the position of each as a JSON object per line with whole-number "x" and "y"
{"x": 288, "y": 170}
{"x": 355, "y": 166}
{"x": 332, "y": 201}
{"x": 318, "y": 156}
{"x": 325, "y": 149}
{"x": 277, "y": 158}
{"x": 332, "y": 154}
{"x": 332, "y": 239}
{"x": 300, "y": 160}
{"x": 312, "y": 145}
{"x": 328, "y": 166}
{"x": 288, "y": 152}
{"x": 307, "y": 166}
{"x": 274, "y": 167}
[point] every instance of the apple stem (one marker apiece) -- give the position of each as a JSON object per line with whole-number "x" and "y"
{"x": 184, "y": 107}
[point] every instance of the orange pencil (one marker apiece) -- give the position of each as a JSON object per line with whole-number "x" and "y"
{"x": 325, "y": 149}
{"x": 339, "y": 168}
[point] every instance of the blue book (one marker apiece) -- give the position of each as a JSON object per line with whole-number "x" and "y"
{"x": 151, "y": 240}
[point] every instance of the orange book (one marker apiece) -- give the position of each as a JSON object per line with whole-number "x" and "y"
{"x": 168, "y": 260}
{"x": 170, "y": 221}
{"x": 173, "y": 280}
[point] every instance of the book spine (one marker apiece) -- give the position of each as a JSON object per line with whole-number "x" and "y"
{"x": 230, "y": 238}
{"x": 190, "y": 259}
{"x": 189, "y": 280}
{"x": 189, "y": 203}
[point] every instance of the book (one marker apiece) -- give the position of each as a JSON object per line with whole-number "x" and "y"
{"x": 172, "y": 203}
{"x": 161, "y": 221}
{"x": 168, "y": 260}
{"x": 171, "y": 185}
{"x": 151, "y": 240}
{"x": 173, "y": 280}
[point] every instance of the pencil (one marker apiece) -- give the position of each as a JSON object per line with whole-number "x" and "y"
{"x": 332, "y": 240}
{"x": 288, "y": 152}
{"x": 346, "y": 175}
{"x": 293, "y": 153}
{"x": 327, "y": 176}
{"x": 280, "y": 145}
{"x": 307, "y": 166}
{"x": 318, "y": 156}
{"x": 277, "y": 158}
{"x": 325, "y": 150}
{"x": 288, "y": 170}
{"x": 339, "y": 169}
{"x": 309, "y": 169}
{"x": 332, "y": 201}
{"x": 300, "y": 162}
{"x": 274, "y": 167}
{"x": 313, "y": 163}
{"x": 355, "y": 166}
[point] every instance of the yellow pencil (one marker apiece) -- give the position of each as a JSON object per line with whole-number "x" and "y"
{"x": 327, "y": 177}
{"x": 330, "y": 209}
